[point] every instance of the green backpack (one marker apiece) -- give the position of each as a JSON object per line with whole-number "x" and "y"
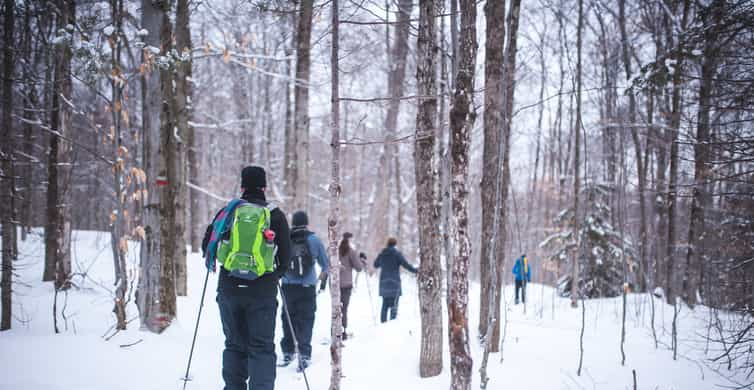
{"x": 249, "y": 252}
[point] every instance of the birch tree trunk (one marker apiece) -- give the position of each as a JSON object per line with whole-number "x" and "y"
{"x": 148, "y": 289}
{"x": 336, "y": 327}
{"x": 461, "y": 121}
{"x": 7, "y": 181}
{"x": 427, "y": 208}
{"x": 299, "y": 179}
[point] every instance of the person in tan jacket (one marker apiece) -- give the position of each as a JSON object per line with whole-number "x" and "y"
{"x": 349, "y": 261}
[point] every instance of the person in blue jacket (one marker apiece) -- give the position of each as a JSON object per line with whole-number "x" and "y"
{"x": 522, "y": 273}
{"x": 299, "y": 290}
{"x": 389, "y": 261}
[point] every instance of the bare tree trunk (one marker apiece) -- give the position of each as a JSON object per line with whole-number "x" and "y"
{"x": 427, "y": 209}
{"x": 443, "y": 187}
{"x": 299, "y": 179}
{"x": 336, "y": 327}
{"x": 117, "y": 232}
{"x": 58, "y": 232}
{"x": 167, "y": 175}
{"x": 7, "y": 181}
{"x": 702, "y": 198}
{"x": 576, "y": 165}
{"x": 182, "y": 115}
{"x": 289, "y": 158}
{"x": 148, "y": 295}
{"x": 675, "y": 123}
{"x": 494, "y": 113}
{"x": 461, "y": 121}
{"x": 641, "y": 171}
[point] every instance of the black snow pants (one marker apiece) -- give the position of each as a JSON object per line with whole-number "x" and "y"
{"x": 249, "y": 327}
{"x": 301, "y": 302}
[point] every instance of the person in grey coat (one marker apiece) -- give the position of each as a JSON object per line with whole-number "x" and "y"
{"x": 349, "y": 261}
{"x": 389, "y": 261}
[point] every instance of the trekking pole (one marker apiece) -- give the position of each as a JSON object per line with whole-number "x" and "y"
{"x": 293, "y": 335}
{"x": 371, "y": 303}
{"x": 196, "y": 330}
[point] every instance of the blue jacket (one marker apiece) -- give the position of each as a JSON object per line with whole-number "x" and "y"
{"x": 390, "y": 260}
{"x": 519, "y": 272}
{"x": 318, "y": 252}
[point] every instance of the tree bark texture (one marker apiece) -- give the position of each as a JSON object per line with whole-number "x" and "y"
{"x": 675, "y": 124}
{"x": 701, "y": 196}
{"x": 641, "y": 171}
{"x": 168, "y": 174}
{"x": 427, "y": 208}
{"x": 461, "y": 121}
{"x": 576, "y": 165}
{"x": 299, "y": 175}
{"x": 7, "y": 181}
{"x": 58, "y": 232}
{"x": 494, "y": 112}
{"x": 182, "y": 114}
{"x": 336, "y": 327}
{"x": 148, "y": 289}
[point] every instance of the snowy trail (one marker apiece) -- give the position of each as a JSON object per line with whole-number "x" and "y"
{"x": 540, "y": 353}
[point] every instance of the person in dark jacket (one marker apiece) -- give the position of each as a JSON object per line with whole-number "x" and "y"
{"x": 522, "y": 274}
{"x": 389, "y": 261}
{"x": 300, "y": 295}
{"x": 349, "y": 261}
{"x": 248, "y": 307}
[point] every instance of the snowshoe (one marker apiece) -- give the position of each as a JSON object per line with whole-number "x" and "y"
{"x": 287, "y": 359}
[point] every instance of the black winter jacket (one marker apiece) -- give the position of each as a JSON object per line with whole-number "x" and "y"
{"x": 390, "y": 260}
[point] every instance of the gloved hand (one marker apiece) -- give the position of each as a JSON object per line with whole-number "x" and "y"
{"x": 362, "y": 255}
{"x": 322, "y": 285}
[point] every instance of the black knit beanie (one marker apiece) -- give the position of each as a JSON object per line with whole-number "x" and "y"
{"x": 299, "y": 219}
{"x": 253, "y": 177}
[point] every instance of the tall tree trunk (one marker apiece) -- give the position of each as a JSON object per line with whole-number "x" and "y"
{"x": 701, "y": 196}
{"x": 443, "y": 187}
{"x": 117, "y": 111}
{"x": 58, "y": 232}
{"x": 182, "y": 115}
{"x": 461, "y": 121}
{"x": 675, "y": 124}
{"x": 148, "y": 289}
{"x": 289, "y": 157}
{"x": 167, "y": 176}
{"x": 299, "y": 179}
{"x": 30, "y": 137}
{"x": 640, "y": 170}
{"x": 427, "y": 208}
{"x": 398, "y": 53}
{"x": 336, "y": 327}
{"x": 576, "y": 164}
{"x": 7, "y": 181}
{"x": 494, "y": 112}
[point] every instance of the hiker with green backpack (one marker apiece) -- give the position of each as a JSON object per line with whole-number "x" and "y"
{"x": 248, "y": 238}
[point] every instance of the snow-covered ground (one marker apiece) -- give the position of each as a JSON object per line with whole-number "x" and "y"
{"x": 541, "y": 348}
